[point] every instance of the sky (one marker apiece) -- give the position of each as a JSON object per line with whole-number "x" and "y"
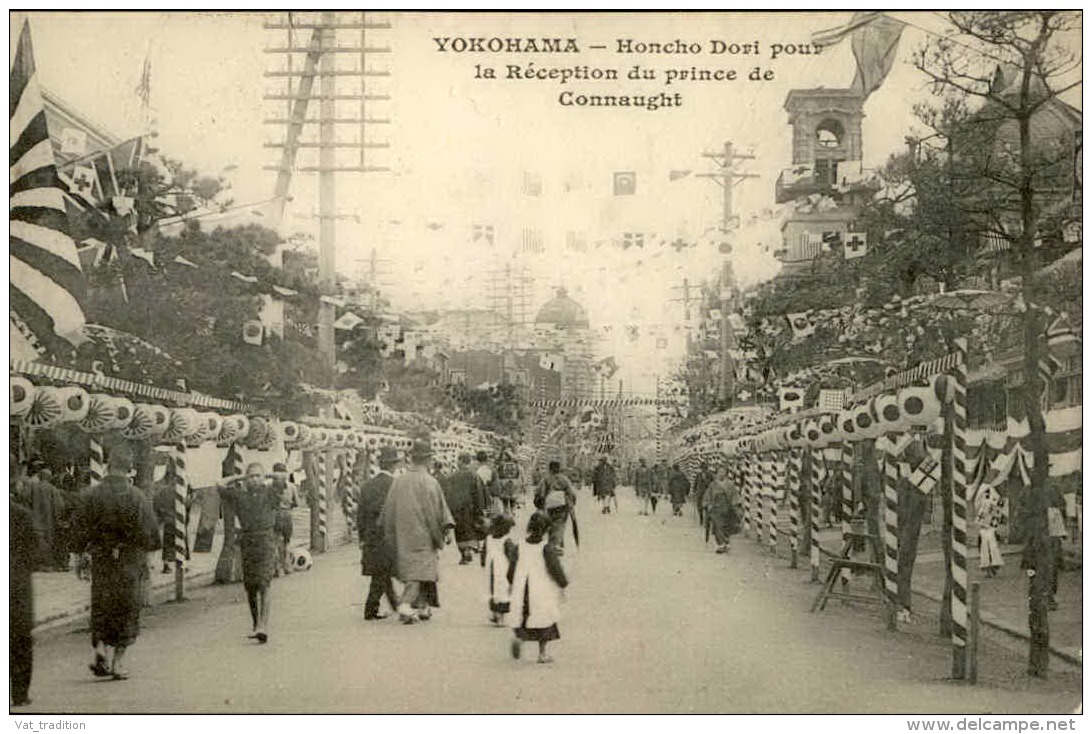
{"x": 460, "y": 146}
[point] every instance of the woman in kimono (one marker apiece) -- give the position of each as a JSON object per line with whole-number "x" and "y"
{"x": 537, "y": 579}
{"x": 722, "y": 508}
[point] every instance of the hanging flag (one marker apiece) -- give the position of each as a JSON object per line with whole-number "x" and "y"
{"x": 633, "y": 239}
{"x": 831, "y": 238}
{"x": 253, "y": 331}
{"x": 93, "y": 253}
{"x": 483, "y": 233}
{"x": 183, "y": 261}
{"x": 832, "y": 399}
{"x": 144, "y": 86}
{"x": 144, "y": 254}
{"x": 625, "y": 183}
{"x": 244, "y": 278}
{"x": 348, "y": 321}
{"x": 790, "y": 398}
{"x": 532, "y": 184}
{"x": 676, "y": 175}
{"x": 801, "y": 324}
{"x": 286, "y": 292}
{"x": 551, "y": 361}
{"x": 875, "y": 38}
{"x": 856, "y": 245}
{"x": 46, "y": 284}
{"x": 73, "y": 142}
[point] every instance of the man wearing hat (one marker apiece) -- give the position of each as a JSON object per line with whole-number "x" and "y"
{"x": 375, "y": 561}
{"x": 416, "y": 522}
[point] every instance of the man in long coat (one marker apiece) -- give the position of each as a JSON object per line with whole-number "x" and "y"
{"x": 117, "y": 525}
{"x": 465, "y": 495}
{"x": 604, "y": 481}
{"x": 375, "y": 560}
{"x": 415, "y": 521}
{"x": 678, "y": 487}
{"x": 25, "y": 549}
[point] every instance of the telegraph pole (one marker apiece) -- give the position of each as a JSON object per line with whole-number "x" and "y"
{"x": 320, "y": 61}
{"x": 727, "y": 177}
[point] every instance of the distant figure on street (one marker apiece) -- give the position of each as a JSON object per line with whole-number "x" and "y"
{"x": 701, "y": 483}
{"x": 375, "y": 558}
{"x": 163, "y": 504}
{"x": 117, "y": 525}
{"x": 465, "y": 495}
{"x": 555, "y": 496}
{"x": 282, "y": 524}
{"x": 499, "y": 547}
{"x": 722, "y": 508}
{"x": 642, "y": 484}
{"x": 604, "y": 481}
{"x": 255, "y": 504}
{"x": 659, "y": 484}
{"x": 678, "y": 487}
{"x": 490, "y": 482}
{"x": 538, "y": 580}
{"x": 24, "y": 551}
{"x": 416, "y": 522}
{"x": 509, "y": 475}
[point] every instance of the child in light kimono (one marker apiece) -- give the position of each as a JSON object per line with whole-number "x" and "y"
{"x": 499, "y": 546}
{"x": 991, "y": 514}
{"x": 538, "y": 580}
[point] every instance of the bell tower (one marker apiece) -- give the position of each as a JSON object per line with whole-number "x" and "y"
{"x": 826, "y": 130}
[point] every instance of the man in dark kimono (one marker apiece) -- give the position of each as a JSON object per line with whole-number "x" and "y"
{"x": 375, "y": 561}
{"x": 702, "y": 480}
{"x": 255, "y": 505}
{"x": 465, "y": 495}
{"x": 604, "y": 481}
{"x": 416, "y": 521}
{"x": 117, "y": 525}
{"x": 678, "y": 487}
{"x": 25, "y": 549}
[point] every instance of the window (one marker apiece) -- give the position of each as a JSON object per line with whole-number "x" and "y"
{"x": 829, "y": 134}
{"x": 826, "y": 172}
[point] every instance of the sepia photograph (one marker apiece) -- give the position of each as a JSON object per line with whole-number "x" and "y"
{"x": 437, "y": 362}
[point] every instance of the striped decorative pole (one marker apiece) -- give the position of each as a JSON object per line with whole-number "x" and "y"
{"x": 181, "y": 487}
{"x": 959, "y": 512}
{"x": 772, "y": 491}
{"x": 98, "y": 461}
{"x": 816, "y": 483}
{"x": 891, "y": 526}
{"x": 745, "y": 488}
{"x": 847, "y": 499}
{"x": 793, "y": 485}
{"x": 350, "y": 494}
{"x": 323, "y": 478}
{"x": 758, "y": 489}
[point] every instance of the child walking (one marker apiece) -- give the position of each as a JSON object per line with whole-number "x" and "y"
{"x": 537, "y": 579}
{"x": 499, "y": 547}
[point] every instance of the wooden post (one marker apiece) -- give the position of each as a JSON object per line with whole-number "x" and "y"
{"x": 814, "y": 488}
{"x": 959, "y": 512}
{"x": 181, "y": 487}
{"x": 793, "y": 488}
{"x": 972, "y": 635}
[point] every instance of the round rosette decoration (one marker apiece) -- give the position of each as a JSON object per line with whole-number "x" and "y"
{"x": 101, "y": 413}
{"x": 21, "y": 392}
{"x": 182, "y": 423}
{"x": 232, "y": 429}
{"x": 45, "y": 408}
{"x": 148, "y": 421}
{"x": 124, "y": 410}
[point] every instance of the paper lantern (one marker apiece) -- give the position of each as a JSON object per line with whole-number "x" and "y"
{"x": 45, "y": 408}
{"x": 320, "y": 438}
{"x": 183, "y": 422}
{"x": 74, "y": 404}
{"x": 232, "y": 428}
{"x": 920, "y": 405}
{"x": 101, "y": 413}
{"x": 813, "y": 435}
{"x": 21, "y": 393}
{"x": 847, "y": 427}
{"x": 796, "y": 437}
{"x": 123, "y": 413}
{"x": 889, "y": 414}
{"x": 828, "y": 427}
{"x": 206, "y": 428}
{"x": 290, "y": 430}
{"x": 148, "y": 420}
{"x": 257, "y": 433}
{"x": 943, "y": 387}
{"x": 865, "y": 420}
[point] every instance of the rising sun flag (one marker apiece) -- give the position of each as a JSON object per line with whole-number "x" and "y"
{"x": 875, "y": 39}
{"x": 46, "y": 281}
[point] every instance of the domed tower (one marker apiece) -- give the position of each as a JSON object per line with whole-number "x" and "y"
{"x": 562, "y": 326}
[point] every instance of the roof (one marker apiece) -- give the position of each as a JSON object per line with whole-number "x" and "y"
{"x": 563, "y": 312}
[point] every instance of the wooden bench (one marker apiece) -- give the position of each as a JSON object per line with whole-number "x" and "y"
{"x": 842, "y": 561}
